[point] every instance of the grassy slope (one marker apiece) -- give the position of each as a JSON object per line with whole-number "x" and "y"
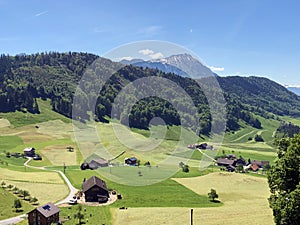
{"x": 18, "y": 119}
{"x": 95, "y": 215}
{"x": 238, "y": 143}
{"x": 7, "y": 202}
{"x": 244, "y": 198}
{"x": 164, "y": 194}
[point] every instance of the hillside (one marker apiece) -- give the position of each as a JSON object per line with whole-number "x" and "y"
{"x": 54, "y": 76}
{"x": 261, "y": 95}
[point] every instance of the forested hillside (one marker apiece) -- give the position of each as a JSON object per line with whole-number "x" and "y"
{"x": 55, "y": 76}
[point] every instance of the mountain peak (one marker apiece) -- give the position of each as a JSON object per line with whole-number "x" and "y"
{"x": 181, "y": 64}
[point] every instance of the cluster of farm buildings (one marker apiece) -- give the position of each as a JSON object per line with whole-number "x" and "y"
{"x": 230, "y": 163}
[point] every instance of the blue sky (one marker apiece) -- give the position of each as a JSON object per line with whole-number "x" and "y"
{"x": 238, "y": 37}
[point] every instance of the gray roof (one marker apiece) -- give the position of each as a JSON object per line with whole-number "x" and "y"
{"x": 91, "y": 182}
{"x": 48, "y": 210}
{"x": 225, "y": 161}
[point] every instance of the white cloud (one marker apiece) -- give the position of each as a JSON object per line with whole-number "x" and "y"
{"x": 125, "y": 58}
{"x": 157, "y": 55}
{"x": 292, "y": 85}
{"x": 146, "y": 51}
{"x": 217, "y": 69}
{"x": 151, "y": 53}
{"x": 41, "y": 13}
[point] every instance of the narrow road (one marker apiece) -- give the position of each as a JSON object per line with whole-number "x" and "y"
{"x": 13, "y": 220}
{"x": 206, "y": 155}
{"x": 72, "y": 189}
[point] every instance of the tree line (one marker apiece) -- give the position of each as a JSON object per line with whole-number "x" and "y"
{"x": 56, "y": 75}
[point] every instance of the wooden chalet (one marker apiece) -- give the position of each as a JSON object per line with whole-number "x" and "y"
{"x": 44, "y": 215}
{"x": 95, "y": 190}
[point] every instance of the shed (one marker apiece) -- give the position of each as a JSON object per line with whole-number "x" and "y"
{"x": 131, "y": 161}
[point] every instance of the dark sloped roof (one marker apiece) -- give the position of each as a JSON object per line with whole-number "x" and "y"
{"x": 48, "y": 210}
{"x": 260, "y": 163}
{"x": 100, "y": 161}
{"x": 225, "y": 161}
{"x": 91, "y": 182}
{"x": 132, "y": 159}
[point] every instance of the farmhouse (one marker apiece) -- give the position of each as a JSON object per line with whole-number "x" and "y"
{"x": 44, "y": 215}
{"x": 95, "y": 190}
{"x": 29, "y": 152}
{"x": 131, "y": 161}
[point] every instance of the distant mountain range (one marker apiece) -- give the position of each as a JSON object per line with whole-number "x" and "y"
{"x": 182, "y": 64}
{"x": 295, "y": 90}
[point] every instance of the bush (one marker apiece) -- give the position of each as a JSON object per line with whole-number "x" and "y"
{"x": 258, "y": 138}
{"x": 212, "y": 195}
{"x": 185, "y": 168}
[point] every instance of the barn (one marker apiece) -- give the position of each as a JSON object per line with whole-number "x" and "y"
{"x": 95, "y": 190}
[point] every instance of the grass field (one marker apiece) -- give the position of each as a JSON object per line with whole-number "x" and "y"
{"x": 43, "y": 192}
{"x": 244, "y": 198}
{"x": 58, "y": 155}
{"x": 92, "y": 215}
{"x": 19, "y": 119}
{"x": 33, "y": 177}
{"x": 46, "y": 186}
{"x": 167, "y": 193}
{"x": 7, "y": 202}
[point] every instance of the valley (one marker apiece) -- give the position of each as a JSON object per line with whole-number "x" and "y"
{"x": 51, "y": 133}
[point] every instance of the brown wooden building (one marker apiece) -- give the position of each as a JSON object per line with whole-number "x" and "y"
{"x": 95, "y": 190}
{"x": 44, "y": 215}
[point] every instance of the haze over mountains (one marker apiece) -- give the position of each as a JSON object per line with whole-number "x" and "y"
{"x": 294, "y": 89}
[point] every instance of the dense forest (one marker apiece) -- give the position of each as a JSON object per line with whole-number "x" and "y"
{"x": 287, "y": 130}
{"x": 56, "y": 75}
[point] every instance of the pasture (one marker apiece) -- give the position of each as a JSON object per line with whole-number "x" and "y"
{"x": 58, "y": 155}
{"x": 167, "y": 193}
{"x": 46, "y": 186}
{"x": 34, "y": 177}
{"x": 43, "y": 192}
{"x": 244, "y": 197}
{"x": 7, "y": 203}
